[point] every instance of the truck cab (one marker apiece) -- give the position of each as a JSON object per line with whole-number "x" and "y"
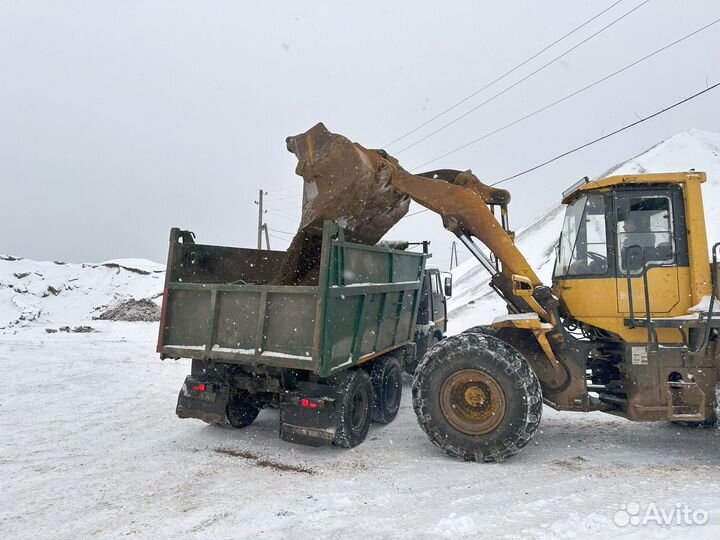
{"x": 431, "y": 323}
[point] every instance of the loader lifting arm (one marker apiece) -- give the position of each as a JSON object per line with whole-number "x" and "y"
{"x": 527, "y": 356}
{"x": 368, "y": 191}
{"x": 465, "y": 204}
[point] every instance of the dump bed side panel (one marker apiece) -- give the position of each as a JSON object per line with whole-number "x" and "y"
{"x": 365, "y": 304}
{"x": 372, "y": 299}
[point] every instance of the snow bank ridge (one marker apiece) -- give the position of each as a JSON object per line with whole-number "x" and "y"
{"x": 54, "y": 292}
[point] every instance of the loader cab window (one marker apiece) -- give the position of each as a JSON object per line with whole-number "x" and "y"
{"x": 583, "y": 242}
{"x": 644, "y": 232}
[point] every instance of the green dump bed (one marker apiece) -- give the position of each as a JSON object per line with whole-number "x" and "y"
{"x": 219, "y": 306}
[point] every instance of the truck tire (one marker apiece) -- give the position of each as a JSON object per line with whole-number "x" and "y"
{"x": 355, "y": 410}
{"x": 386, "y": 377}
{"x": 477, "y": 398}
{"x": 242, "y": 409}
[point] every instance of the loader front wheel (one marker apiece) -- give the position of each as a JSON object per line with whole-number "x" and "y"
{"x": 477, "y": 398}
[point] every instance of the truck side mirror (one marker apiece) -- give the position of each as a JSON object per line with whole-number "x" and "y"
{"x": 448, "y": 286}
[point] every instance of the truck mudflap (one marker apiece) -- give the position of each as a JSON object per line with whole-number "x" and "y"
{"x": 203, "y": 400}
{"x": 309, "y": 421}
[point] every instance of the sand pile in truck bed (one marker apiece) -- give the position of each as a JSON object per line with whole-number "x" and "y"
{"x": 132, "y": 310}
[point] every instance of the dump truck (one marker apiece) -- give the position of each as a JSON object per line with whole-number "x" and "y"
{"x": 329, "y": 353}
{"x": 629, "y": 325}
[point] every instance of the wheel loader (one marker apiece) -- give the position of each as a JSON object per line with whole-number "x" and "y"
{"x": 629, "y": 325}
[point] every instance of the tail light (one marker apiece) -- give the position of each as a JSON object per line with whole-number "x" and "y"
{"x": 310, "y": 403}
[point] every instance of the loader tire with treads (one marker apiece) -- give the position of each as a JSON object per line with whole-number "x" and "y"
{"x": 477, "y": 398}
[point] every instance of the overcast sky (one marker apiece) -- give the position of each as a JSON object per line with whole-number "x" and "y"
{"x": 119, "y": 120}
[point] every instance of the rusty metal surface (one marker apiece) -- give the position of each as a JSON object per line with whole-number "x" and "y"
{"x": 348, "y": 184}
{"x": 472, "y": 401}
{"x": 343, "y": 182}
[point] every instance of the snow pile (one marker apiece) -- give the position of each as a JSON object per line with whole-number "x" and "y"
{"x": 132, "y": 310}
{"x": 58, "y": 293}
{"x": 475, "y": 303}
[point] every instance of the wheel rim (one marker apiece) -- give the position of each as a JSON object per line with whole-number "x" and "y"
{"x": 472, "y": 401}
{"x": 359, "y": 410}
{"x": 392, "y": 385}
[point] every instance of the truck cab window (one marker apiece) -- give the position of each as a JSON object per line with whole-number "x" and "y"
{"x": 583, "y": 242}
{"x": 644, "y": 232}
{"x": 435, "y": 280}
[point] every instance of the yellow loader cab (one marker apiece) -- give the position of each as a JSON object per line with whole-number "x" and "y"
{"x": 633, "y": 276}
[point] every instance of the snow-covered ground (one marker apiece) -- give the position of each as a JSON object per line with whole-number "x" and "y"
{"x": 91, "y": 446}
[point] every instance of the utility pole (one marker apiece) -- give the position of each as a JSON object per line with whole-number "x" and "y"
{"x": 259, "y": 202}
{"x": 453, "y": 255}
{"x": 267, "y": 236}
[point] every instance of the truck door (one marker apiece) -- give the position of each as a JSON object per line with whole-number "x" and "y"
{"x": 650, "y": 237}
{"x": 425, "y": 303}
{"x": 439, "y": 315}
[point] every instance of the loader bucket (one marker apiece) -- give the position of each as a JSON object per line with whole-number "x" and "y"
{"x": 345, "y": 183}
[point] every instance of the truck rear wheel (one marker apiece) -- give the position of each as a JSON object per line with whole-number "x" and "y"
{"x": 386, "y": 377}
{"x": 242, "y": 409}
{"x": 355, "y": 410}
{"x": 477, "y": 398}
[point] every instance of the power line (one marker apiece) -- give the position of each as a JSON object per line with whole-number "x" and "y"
{"x": 538, "y": 70}
{"x": 501, "y": 77}
{"x": 577, "y": 148}
{"x": 281, "y": 211}
{"x": 278, "y": 199}
{"x": 559, "y": 156}
{"x": 287, "y": 237}
{"x": 283, "y": 216}
{"x": 416, "y": 213}
{"x": 278, "y": 237}
{"x": 284, "y": 232}
{"x": 573, "y": 94}
{"x": 288, "y": 188}
{"x": 286, "y": 208}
